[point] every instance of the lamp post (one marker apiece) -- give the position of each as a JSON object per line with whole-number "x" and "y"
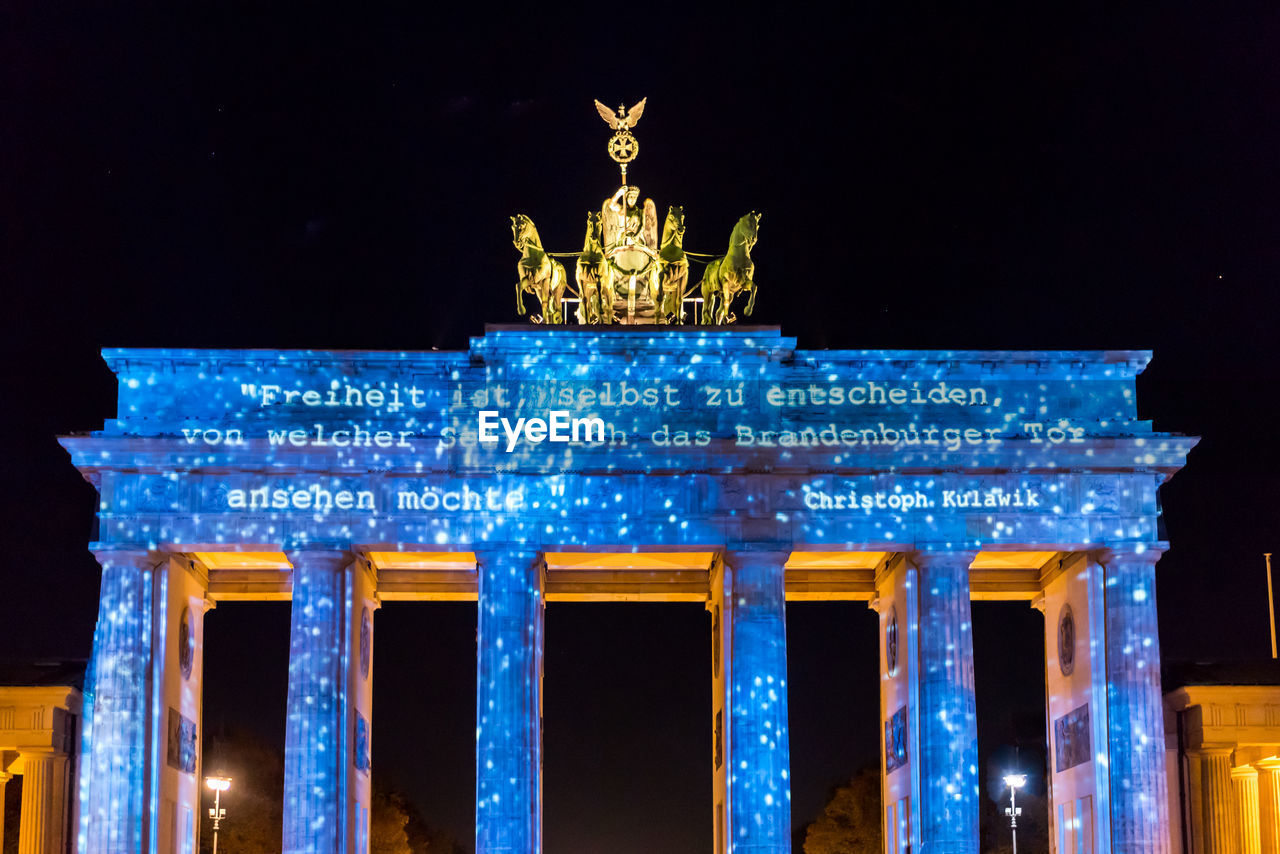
{"x": 217, "y": 813}
{"x": 1014, "y": 782}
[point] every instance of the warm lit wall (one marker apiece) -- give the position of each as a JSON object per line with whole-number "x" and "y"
{"x": 898, "y": 692}
{"x": 1223, "y": 735}
{"x": 179, "y": 589}
{"x": 1075, "y": 677}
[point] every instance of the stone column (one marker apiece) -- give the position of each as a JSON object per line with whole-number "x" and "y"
{"x": 719, "y": 604}
{"x": 317, "y": 744}
{"x": 113, "y": 789}
{"x": 509, "y": 703}
{"x": 1139, "y": 787}
{"x": 1244, "y": 785}
{"x": 1269, "y": 805}
{"x": 4, "y": 779}
{"x": 1216, "y": 806}
{"x": 948, "y": 706}
{"x": 759, "y": 745}
{"x": 42, "y": 823}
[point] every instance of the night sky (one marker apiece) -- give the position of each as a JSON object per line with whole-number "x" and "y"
{"x": 223, "y": 177}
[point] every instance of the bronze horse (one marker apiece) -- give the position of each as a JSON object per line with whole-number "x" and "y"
{"x": 539, "y": 273}
{"x": 590, "y": 276}
{"x": 731, "y": 274}
{"x": 673, "y": 266}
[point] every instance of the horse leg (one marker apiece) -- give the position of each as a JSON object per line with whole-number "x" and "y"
{"x": 751, "y": 297}
{"x": 554, "y": 289}
{"x": 554, "y": 310}
{"x": 590, "y": 302}
{"x": 655, "y": 294}
{"x": 677, "y": 294}
{"x": 520, "y": 298}
{"x": 708, "y": 287}
{"x": 607, "y": 296}
{"x": 564, "y": 285}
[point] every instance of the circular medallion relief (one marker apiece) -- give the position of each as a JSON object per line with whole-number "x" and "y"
{"x": 1066, "y": 640}
{"x": 891, "y": 641}
{"x": 366, "y": 642}
{"x": 186, "y": 644}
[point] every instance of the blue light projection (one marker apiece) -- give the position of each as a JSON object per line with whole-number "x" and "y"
{"x": 949, "y": 785}
{"x": 315, "y": 755}
{"x": 760, "y": 751}
{"x": 1136, "y": 718}
{"x": 114, "y": 781}
{"x": 509, "y": 703}
{"x": 539, "y": 439}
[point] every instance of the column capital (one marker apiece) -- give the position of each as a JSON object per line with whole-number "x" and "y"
{"x": 770, "y": 555}
{"x": 1206, "y": 751}
{"x": 337, "y": 557}
{"x": 1127, "y": 554}
{"x": 40, "y": 751}
{"x": 506, "y": 551}
{"x": 925, "y": 558}
{"x": 1270, "y": 765}
{"x": 1244, "y": 772}
{"x": 138, "y": 557}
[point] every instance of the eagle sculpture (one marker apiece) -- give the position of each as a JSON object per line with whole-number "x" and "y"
{"x": 623, "y": 120}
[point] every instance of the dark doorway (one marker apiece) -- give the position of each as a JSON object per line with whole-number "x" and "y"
{"x": 627, "y": 730}
{"x": 1008, "y": 651}
{"x": 424, "y": 719}
{"x": 833, "y": 676}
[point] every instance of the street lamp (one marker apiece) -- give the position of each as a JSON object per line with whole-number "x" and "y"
{"x": 217, "y": 813}
{"x": 1014, "y": 782}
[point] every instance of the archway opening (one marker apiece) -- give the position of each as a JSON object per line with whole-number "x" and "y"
{"x": 246, "y": 667}
{"x": 424, "y": 721}
{"x": 627, "y": 731}
{"x": 833, "y": 680}
{"x": 1008, "y": 647}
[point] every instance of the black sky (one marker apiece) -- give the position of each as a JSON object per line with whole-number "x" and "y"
{"x": 224, "y": 176}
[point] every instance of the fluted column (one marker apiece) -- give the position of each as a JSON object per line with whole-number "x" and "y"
{"x": 1139, "y": 787}
{"x": 4, "y": 779}
{"x": 114, "y": 767}
{"x": 1244, "y": 786}
{"x": 1215, "y": 802}
{"x": 316, "y": 739}
{"x": 40, "y": 825}
{"x": 509, "y": 703}
{"x": 948, "y": 706}
{"x": 1268, "y": 805}
{"x": 759, "y": 744}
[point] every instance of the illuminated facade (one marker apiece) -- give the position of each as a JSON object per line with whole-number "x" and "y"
{"x": 39, "y": 724}
{"x": 546, "y": 465}
{"x": 1223, "y": 737}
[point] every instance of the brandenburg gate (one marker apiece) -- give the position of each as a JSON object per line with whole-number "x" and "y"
{"x": 549, "y": 464}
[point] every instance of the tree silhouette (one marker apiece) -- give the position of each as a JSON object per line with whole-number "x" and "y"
{"x": 850, "y": 822}
{"x": 388, "y": 818}
{"x": 254, "y": 805}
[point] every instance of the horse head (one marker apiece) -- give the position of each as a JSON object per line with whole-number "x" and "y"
{"x": 673, "y": 229}
{"x": 748, "y": 227}
{"x": 523, "y": 232}
{"x": 594, "y": 232}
